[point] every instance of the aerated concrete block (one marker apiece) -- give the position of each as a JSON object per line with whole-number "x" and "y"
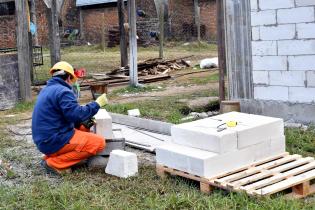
{"x": 103, "y": 125}
{"x": 209, "y": 164}
{"x": 250, "y": 130}
{"x": 122, "y": 164}
{"x": 203, "y": 134}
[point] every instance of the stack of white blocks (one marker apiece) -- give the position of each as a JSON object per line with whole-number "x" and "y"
{"x": 200, "y": 148}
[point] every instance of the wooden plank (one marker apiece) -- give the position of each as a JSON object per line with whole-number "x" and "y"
{"x": 225, "y": 174}
{"x": 265, "y": 173}
{"x": 302, "y": 189}
{"x": 24, "y": 50}
{"x": 122, "y": 33}
{"x": 293, "y": 181}
{"x": 133, "y": 43}
{"x": 279, "y": 177}
{"x": 253, "y": 170}
{"x": 160, "y": 171}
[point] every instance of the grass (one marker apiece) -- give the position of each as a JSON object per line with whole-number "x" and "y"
{"x": 95, "y": 190}
{"x": 95, "y": 60}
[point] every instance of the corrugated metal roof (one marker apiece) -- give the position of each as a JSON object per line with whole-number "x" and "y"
{"x": 80, "y": 3}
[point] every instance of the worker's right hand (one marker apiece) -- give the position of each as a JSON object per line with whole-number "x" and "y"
{"x": 102, "y": 100}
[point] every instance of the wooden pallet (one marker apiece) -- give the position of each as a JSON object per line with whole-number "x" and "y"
{"x": 279, "y": 173}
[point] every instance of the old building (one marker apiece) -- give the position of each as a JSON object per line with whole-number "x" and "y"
{"x": 92, "y": 18}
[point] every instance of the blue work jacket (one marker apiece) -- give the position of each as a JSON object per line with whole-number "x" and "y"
{"x": 55, "y": 113}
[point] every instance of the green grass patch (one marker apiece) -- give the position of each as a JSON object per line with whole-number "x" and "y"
{"x": 131, "y": 89}
{"x": 86, "y": 190}
{"x": 204, "y": 80}
{"x": 301, "y": 141}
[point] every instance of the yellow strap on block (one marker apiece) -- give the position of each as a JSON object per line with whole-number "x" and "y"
{"x": 231, "y": 124}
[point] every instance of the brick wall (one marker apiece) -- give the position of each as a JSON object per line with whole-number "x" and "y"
{"x": 283, "y": 48}
{"x": 9, "y": 83}
{"x": 7, "y": 31}
{"x": 208, "y": 17}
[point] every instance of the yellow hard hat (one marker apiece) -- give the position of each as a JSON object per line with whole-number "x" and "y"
{"x": 62, "y": 65}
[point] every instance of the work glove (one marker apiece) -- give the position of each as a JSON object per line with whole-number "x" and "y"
{"x": 102, "y": 100}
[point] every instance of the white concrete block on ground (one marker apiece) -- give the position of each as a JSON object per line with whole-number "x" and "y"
{"x": 122, "y": 164}
{"x": 253, "y": 129}
{"x": 208, "y": 164}
{"x": 134, "y": 112}
{"x": 103, "y": 125}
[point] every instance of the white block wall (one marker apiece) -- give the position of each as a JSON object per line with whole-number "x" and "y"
{"x": 283, "y": 48}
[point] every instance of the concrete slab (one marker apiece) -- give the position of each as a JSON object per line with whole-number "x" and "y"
{"x": 122, "y": 164}
{"x": 103, "y": 124}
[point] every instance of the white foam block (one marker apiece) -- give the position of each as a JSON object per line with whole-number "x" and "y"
{"x": 103, "y": 124}
{"x": 203, "y": 134}
{"x": 209, "y": 164}
{"x": 122, "y": 164}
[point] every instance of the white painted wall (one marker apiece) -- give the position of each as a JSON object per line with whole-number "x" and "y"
{"x": 283, "y": 48}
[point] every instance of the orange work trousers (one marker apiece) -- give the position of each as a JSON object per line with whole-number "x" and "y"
{"x": 80, "y": 147}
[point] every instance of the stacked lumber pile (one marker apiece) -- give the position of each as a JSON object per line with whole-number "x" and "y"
{"x": 154, "y": 66}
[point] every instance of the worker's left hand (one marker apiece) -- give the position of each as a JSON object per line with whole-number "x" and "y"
{"x": 102, "y": 100}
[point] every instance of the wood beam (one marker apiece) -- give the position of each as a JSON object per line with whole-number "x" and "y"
{"x": 221, "y": 47}
{"x": 122, "y": 33}
{"x": 24, "y": 50}
{"x": 133, "y": 43}
{"x": 54, "y": 37}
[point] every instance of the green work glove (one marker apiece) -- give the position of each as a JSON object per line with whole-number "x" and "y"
{"x": 102, "y": 100}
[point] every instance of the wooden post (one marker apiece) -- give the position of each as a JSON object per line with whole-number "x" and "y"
{"x": 122, "y": 33}
{"x": 161, "y": 25}
{"x": 237, "y": 15}
{"x": 103, "y": 34}
{"x": 133, "y": 43}
{"x": 197, "y": 18}
{"x": 54, "y": 37}
{"x": 81, "y": 24}
{"x": 221, "y": 47}
{"x": 24, "y": 50}
{"x": 34, "y": 19}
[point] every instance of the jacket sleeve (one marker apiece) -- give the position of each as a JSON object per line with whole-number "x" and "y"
{"x": 73, "y": 111}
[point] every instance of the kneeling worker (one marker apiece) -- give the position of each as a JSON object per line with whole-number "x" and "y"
{"x": 55, "y": 115}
